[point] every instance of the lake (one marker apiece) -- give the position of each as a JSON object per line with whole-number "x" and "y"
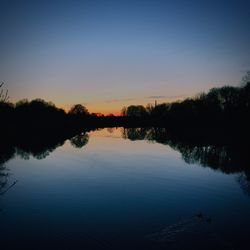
{"x": 121, "y": 188}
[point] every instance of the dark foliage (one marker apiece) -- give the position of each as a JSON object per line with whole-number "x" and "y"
{"x": 220, "y": 107}
{"x": 79, "y": 111}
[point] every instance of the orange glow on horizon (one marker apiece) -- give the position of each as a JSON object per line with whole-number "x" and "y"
{"x": 95, "y": 109}
{"x": 112, "y": 106}
{"x": 107, "y": 108}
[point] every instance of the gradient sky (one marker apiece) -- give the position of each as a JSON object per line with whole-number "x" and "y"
{"x": 109, "y": 54}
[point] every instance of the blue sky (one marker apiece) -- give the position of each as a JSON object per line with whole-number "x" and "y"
{"x": 109, "y": 54}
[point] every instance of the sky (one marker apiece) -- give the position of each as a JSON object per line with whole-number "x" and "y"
{"x": 106, "y": 54}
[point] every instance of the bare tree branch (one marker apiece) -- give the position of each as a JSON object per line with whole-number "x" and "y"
{"x": 4, "y": 97}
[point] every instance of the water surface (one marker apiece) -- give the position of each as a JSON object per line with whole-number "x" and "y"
{"x": 117, "y": 189}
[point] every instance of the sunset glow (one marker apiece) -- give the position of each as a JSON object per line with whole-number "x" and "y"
{"x": 109, "y": 54}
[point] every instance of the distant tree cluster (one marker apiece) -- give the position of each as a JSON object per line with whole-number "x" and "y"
{"x": 78, "y": 110}
{"x": 134, "y": 111}
{"x": 225, "y": 104}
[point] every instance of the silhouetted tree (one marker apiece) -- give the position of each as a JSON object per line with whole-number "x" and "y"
{"x": 22, "y": 102}
{"x": 160, "y": 110}
{"x": 39, "y": 114}
{"x": 78, "y": 110}
{"x": 6, "y": 108}
{"x": 149, "y": 108}
{"x": 135, "y": 111}
{"x": 124, "y": 111}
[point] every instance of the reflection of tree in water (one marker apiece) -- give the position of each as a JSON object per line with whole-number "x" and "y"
{"x": 6, "y": 153}
{"x": 244, "y": 181}
{"x": 208, "y": 152}
{"x": 38, "y": 151}
{"x": 228, "y": 158}
{"x": 80, "y": 140}
{"x": 210, "y": 155}
{"x": 110, "y": 130}
{"x": 4, "y": 174}
{"x": 37, "y": 147}
{"x": 3, "y": 178}
{"x": 134, "y": 133}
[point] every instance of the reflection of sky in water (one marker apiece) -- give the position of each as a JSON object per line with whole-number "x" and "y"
{"x": 116, "y": 192}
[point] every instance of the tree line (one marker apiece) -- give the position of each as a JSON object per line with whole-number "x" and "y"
{"x": 40, "y": 114}
{"x": 226, "y": 105}
{"x": 221, "y": 107}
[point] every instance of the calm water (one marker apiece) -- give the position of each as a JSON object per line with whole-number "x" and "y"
{"x": 111, "y": 189}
